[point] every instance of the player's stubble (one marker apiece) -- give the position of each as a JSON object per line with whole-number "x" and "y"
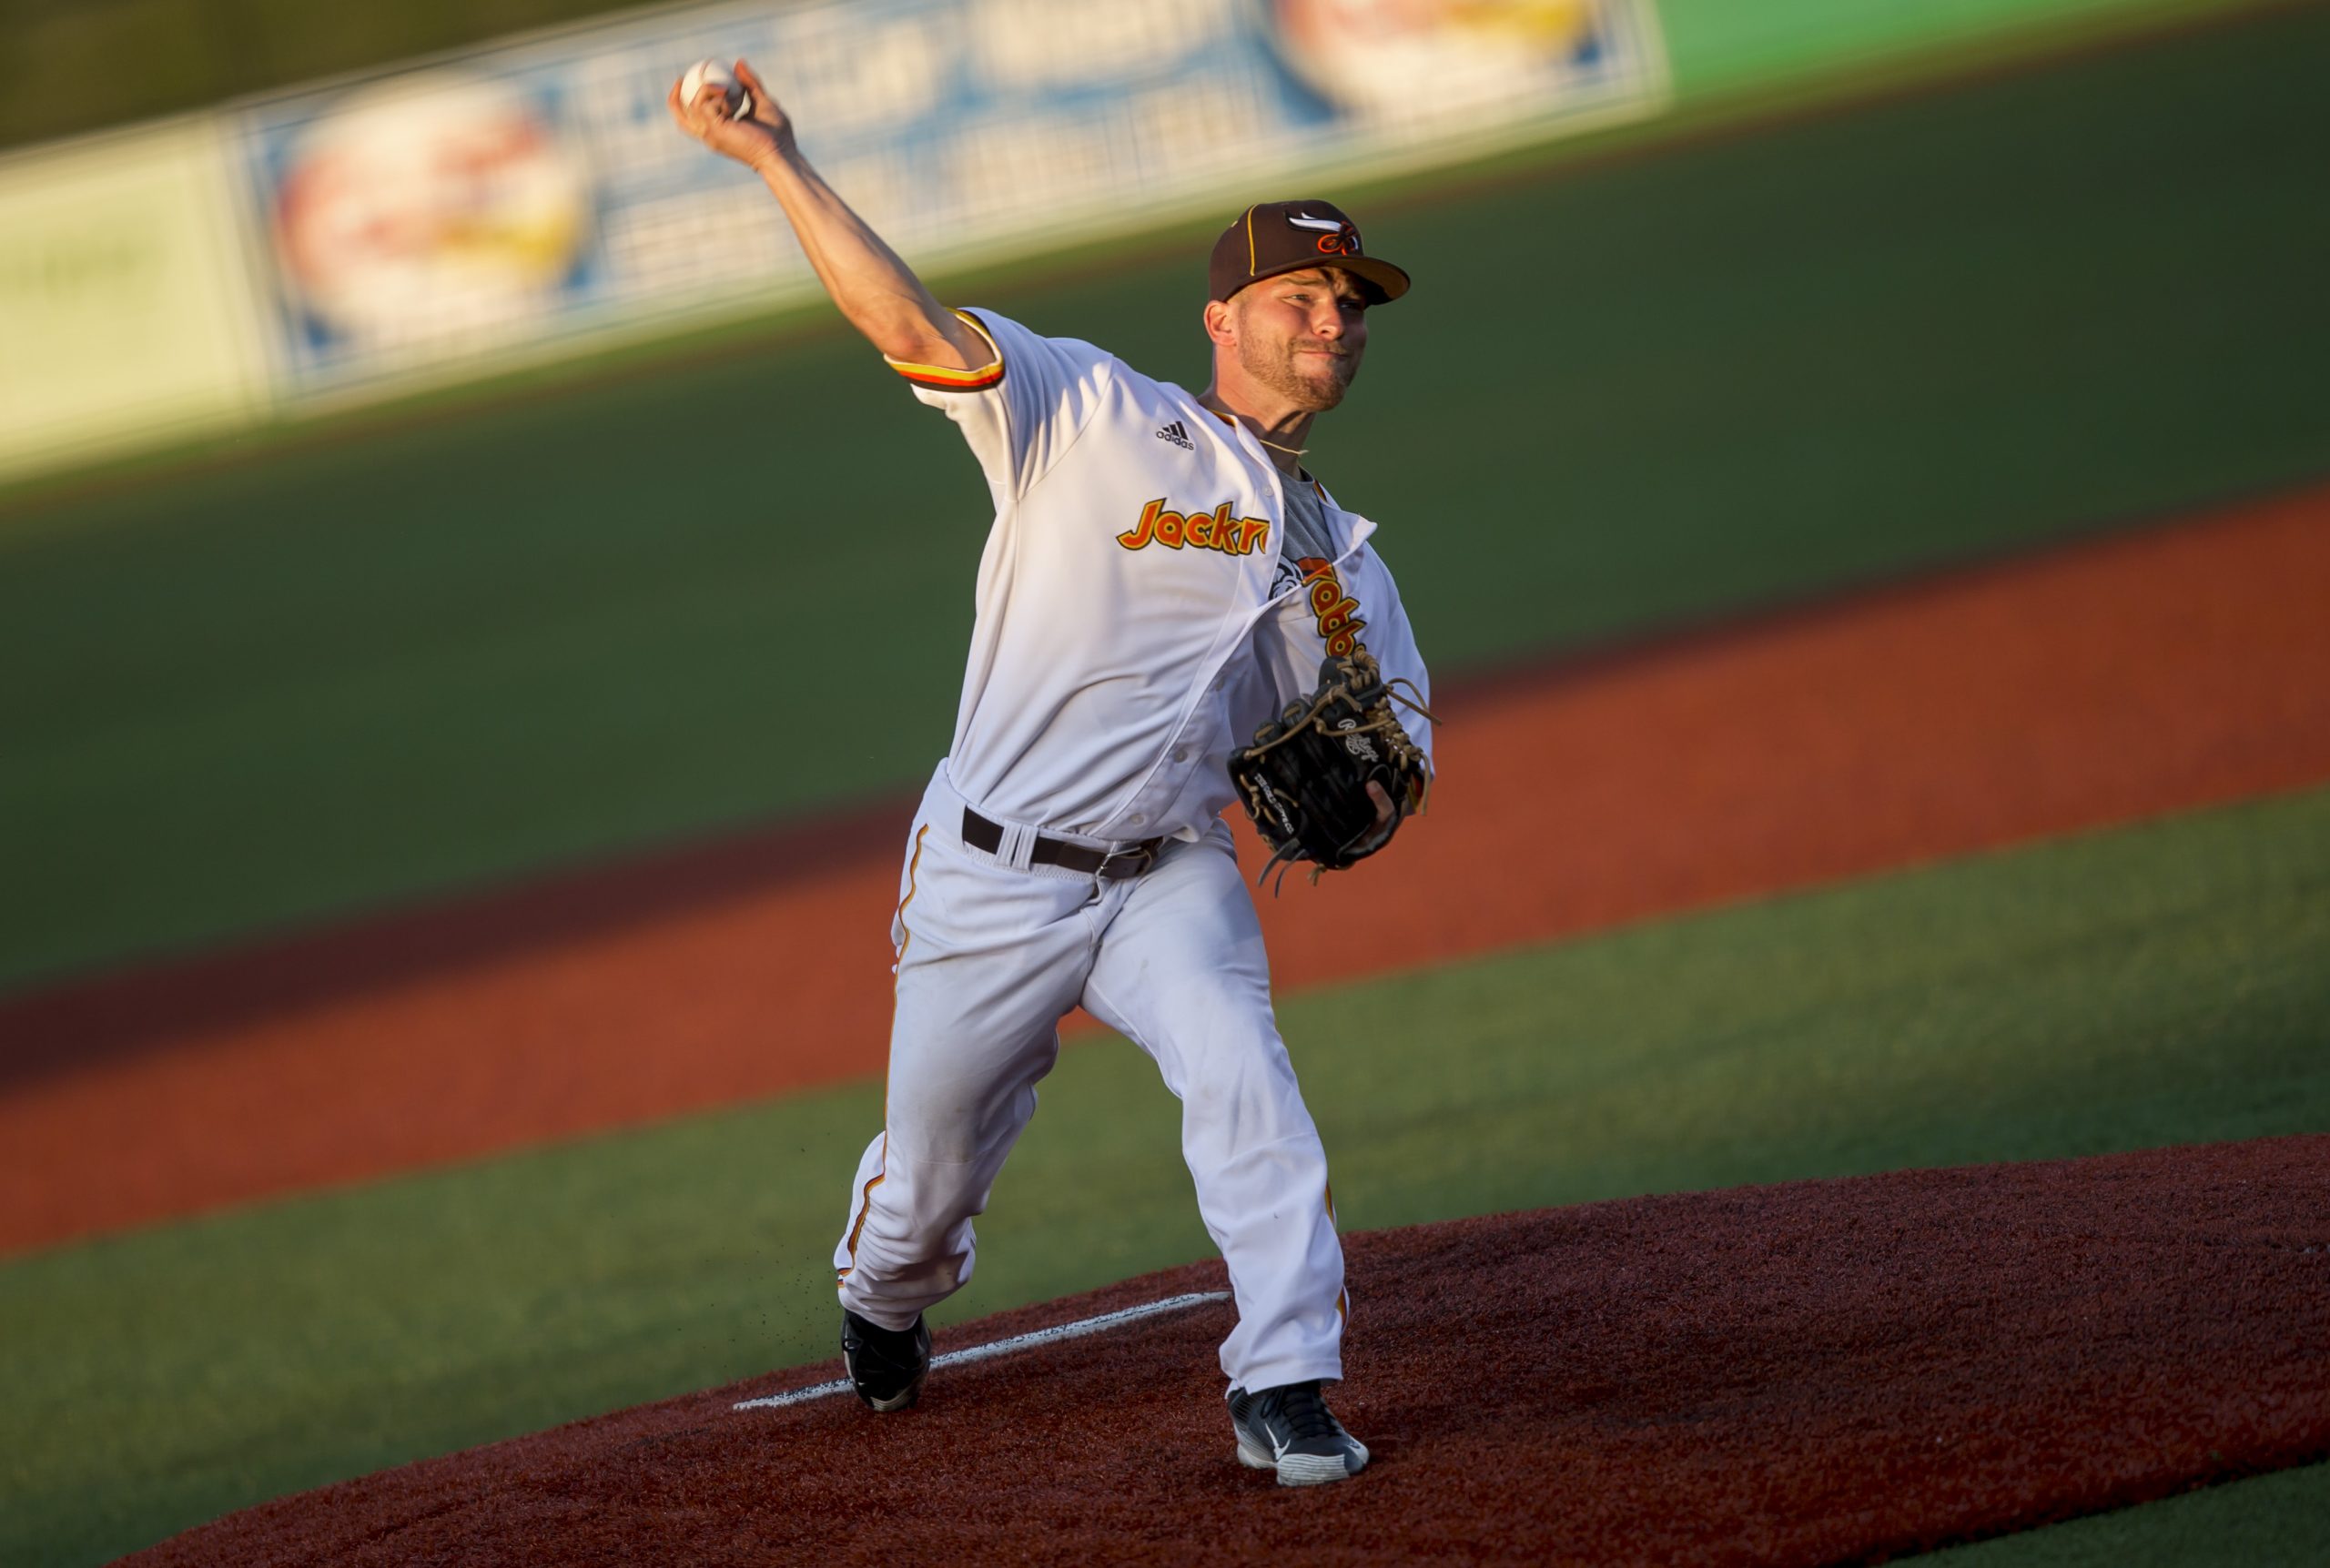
{"x": 1309, "y": 372}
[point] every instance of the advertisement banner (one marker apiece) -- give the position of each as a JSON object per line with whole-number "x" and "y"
{"x": 538, "y": 193}
{"x": 124, "y": 308}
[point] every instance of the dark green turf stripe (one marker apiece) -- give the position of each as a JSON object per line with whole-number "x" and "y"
{"x": 2280, "y": 1521}
{"x": 2152, "y": 986}
{"x": 1625, "y": 396}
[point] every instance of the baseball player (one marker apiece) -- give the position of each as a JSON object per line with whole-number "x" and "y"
{"x": 1161, "y": 575}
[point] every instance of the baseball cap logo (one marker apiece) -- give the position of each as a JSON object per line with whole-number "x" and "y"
{"x": 1338, "y": 239}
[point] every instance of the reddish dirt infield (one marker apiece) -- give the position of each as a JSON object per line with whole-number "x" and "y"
{"x": 2140, "y": 674}
{"x": 1820, "y": 1373}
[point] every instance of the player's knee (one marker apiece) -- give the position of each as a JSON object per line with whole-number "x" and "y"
{"x": 1242, "y": 1099}
{"x": 1241, "y": 1053}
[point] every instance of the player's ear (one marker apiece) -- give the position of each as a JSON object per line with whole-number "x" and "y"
{"x": 1220, "y": 323}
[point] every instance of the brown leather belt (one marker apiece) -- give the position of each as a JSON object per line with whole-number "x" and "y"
{"x": 1108, "y": 864}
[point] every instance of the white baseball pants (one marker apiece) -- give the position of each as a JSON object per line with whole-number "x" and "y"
{"x": 991, "y": 955}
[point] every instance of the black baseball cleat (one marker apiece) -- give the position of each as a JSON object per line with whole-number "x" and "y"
{"x": 886, "y": 1366}
{"x": 1292, "y": 1431}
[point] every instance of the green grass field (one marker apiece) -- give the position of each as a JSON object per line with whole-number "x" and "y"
{"x": 2279, "y": 1521}
{"x": 1627, "y": 395}
{"x": 2150, "y": 986}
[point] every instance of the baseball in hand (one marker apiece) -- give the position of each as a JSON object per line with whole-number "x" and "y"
{"x": 713, "y": 73}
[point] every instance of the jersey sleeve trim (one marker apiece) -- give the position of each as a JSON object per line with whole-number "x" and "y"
{"x": 941, "y": 378}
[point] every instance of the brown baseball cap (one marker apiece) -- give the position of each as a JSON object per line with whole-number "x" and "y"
{"x": 1274, "y": 237}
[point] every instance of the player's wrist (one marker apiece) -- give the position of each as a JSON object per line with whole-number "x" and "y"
{"x": 774, "y": 160}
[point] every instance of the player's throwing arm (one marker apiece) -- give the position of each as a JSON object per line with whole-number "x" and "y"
{"x": 875, "y": 290}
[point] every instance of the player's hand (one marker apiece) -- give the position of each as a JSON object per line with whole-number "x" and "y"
{"x": 764, "y": 134}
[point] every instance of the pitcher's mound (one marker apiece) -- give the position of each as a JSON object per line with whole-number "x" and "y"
{"x": 1819, "y": 1372}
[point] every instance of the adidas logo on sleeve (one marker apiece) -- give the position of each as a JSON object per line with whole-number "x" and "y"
{"x": 1179, "y": 434}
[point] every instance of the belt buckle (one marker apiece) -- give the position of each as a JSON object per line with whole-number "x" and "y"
{"x": 1146, "y": 854}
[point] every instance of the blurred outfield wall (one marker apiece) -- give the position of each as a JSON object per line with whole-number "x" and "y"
{"x": 459, "y": 216}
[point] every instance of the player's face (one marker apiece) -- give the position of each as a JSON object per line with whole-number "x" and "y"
{"x": 1303, "y": 334}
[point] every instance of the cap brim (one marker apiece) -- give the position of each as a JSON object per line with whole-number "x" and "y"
{"x": 1388, "y": 281}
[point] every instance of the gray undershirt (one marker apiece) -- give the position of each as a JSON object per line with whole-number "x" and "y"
{"x": 1306, "y": 521}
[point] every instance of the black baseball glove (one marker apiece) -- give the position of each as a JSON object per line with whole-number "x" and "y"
{"x": 1304, "y": 780}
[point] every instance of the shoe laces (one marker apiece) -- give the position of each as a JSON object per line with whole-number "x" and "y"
{"x": 1305, "y": 1412}
{"x": 877, "y": 1348}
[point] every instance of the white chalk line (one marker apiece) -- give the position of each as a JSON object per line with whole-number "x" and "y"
{"x": 1050, "y": 1336}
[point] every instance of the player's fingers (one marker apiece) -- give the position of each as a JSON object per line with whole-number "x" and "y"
{"x": 681, "y": 115}
{"x": 762, "y": 104}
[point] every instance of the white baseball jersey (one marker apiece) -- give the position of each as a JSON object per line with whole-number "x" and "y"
{"x": 1136, "y": 620}
{"x": 1134, "y": 626}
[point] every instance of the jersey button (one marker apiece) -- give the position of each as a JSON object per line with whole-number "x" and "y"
{"x": 1180, "y": 754}
{"x": 1136, "y": 819}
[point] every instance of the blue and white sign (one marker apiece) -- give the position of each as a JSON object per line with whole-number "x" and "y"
{"x": 537, "y": 194}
